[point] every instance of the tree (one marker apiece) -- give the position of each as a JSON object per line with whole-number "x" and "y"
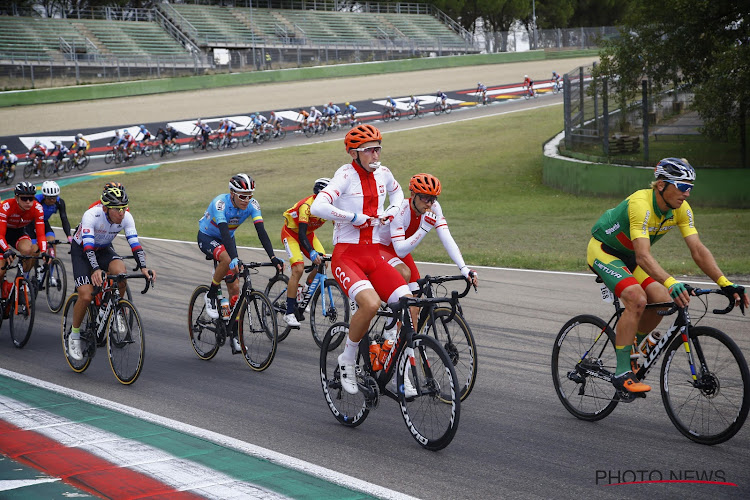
{"x": 703, "y": 44}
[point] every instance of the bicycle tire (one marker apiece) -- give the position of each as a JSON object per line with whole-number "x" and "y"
{"x": 258, "y": 331}
{"x": 411, "y": 114}
{"x": 247, "y": 139}
{"x": 431, "y": 422}
{"x": 715, "y": 412}
{"x": 194, "y": 145}
{"x": 67, "y": 165}
{"x": 201, "y": 328}
{"x": 109, "y": 157}
{"x": 456, "y": 338}
{"x": 448, "y": 109}
{"x": 125, "y": 342}
{"x": 83, "y": 163}
{"x": 386, "y": 114}
{"x": 28, "y": 169}
{"x": 584, "y": 396}
{"x": 174, "y": 148}
{"x": 49, "y": 169}
{"x": 308, "y": 131}
{"x": 233, "y": 143}
{"x": 10, "y": 175}
{"x": 56, "y": 294}
{"x": 22, "y": 313}
{"x": 281, "y": 133}
{"x": 337, "y": 310}
{"x": 349, "y": 409}
{"x": 396, "y": 115}
{"x": 276, "y": 293}
{"x": 437, "y": 109}
{"x": 86, "y": 326}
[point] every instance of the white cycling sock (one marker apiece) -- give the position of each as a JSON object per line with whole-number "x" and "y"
{"x": 349, "y": 356}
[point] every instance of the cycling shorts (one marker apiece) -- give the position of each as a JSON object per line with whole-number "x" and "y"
{"x": 389, "y": 254}
{"x": 15, "y": 234}
{"x": 210, "y": 246}
{"x": 31, "y": 231}
{"x": 613, "y": 270}
{"x": 82, "y": 269}
{"x": 294, "y": 250}
{"x": 357, "y": 267}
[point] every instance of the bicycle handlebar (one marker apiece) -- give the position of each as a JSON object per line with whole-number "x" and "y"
{"x": 697, "y": 292}
{"x": 437, "y": 280}
{"x": 324, "y": 259}
{"x": 116, "y": 278}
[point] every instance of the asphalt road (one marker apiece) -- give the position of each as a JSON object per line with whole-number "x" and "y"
{"x": 515, "y": 439}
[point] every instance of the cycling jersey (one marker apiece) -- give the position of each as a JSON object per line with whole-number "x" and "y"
{"x": 49, "y": 210}
{"x": 351, "y": 109}
{"x": 221, "y": 210}
{"x": 82, "y": 144}
{"x": 12, "y": 217}
{"x": 300, "y": 213}
{"x": 290, "y": 237}
{"x": 352, "y": 192}
{"x": 96, "y": 232}
{"x": 639, "y": 216}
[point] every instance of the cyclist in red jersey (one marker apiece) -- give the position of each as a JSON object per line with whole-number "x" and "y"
{"x": 15, "y": 214}
{"x": 354, "y": 200}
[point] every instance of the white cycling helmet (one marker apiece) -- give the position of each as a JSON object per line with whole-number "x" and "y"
{"x": 50, "y": 188}
{"x": 78, "y": 136}
{"x": 58, "y": 143}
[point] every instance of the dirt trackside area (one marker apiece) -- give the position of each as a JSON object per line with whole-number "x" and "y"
{"x": 233, "y": 100}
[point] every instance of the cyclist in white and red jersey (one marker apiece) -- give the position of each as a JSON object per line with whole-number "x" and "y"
{"x": 91, "y": 253}
{"x": 416, "y": 217}
{"x": 15, "y": 214}
{"x": 354, "y": 201}
{"x": 528, "y": 85}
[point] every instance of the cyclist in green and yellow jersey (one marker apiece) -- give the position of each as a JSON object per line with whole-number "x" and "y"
{"x": 620, "y": 253}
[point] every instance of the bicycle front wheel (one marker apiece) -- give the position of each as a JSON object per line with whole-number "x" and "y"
{"x": 276, "y": 293}
{"x": 22, "y": 313}
{"x": 585, "y": 346}
{"x": 125, "y": 342}
{"x": 56, "y": 284}
{"x": 349, "y": 409}
{"x": 257, "y": 330}
{"x": 333, "y": 308}
{"x": 431, "y": 422}
{"x": 201, "y": 328}
{"x": 456, "y": 338}
{"x": 88, "y": 325}
{"x": 710, "y": 407}
{"x": 83, "y": 163}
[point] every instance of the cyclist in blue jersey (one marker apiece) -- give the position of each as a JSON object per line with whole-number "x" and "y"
{"x": 216, "y": 237}
{"x": 51, "y": 203}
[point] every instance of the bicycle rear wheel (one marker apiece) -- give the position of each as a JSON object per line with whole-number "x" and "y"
{"x": 276, "y": 293}
{"x": 456, "y": 338}
{"x": 125, "y": 342}
{"x": 201, "y": 328}
{"x": 713, "y": 407}
{"x": 22, "y": 313}
{"x": 431, "y": 422}
{"x": 585, "y": 345}
{"x": 56, "y": 284}
{"x": 349, "y": 409}
{"x": 334, "y": 307}
{"x": 258, "y": 332}
{"x": 88, "y": 325}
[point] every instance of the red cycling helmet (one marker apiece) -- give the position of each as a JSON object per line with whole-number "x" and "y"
{"x": 425, "y": 184}
{"x": 361, "y": 134}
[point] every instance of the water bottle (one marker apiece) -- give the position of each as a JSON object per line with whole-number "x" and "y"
{"x": 102, "y": 310}
{"x": 375, "y": 353}
{"x": 301, "y": 290}
{"x": 225, "y": 310}
{"x": 387, "y": 345}
{"x": 233, "y": 300}
{"x": 7, "y": 285}
{"x": 649, "y": 342}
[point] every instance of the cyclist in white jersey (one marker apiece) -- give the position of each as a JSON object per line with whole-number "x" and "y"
{"x": 354, "y": 201}
{"x": 91, "y": 252}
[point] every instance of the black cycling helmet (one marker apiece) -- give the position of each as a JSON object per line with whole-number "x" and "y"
{"x": 25, "y": 188}
{"x": 114, "y": 196}
{"x": 242, "y": 183}
{"x": 675, "y": 169}
{"x": 320, "y": 184}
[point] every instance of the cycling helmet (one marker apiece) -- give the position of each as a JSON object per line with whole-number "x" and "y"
{"x": 114, "y": 196}
{"x": 3, "y": 147}
{"x": 58, "y": 143}
{"x": 330, "y": 103}
{"x": 479, "y": 84}
{"x": 320, "y": 184}
{"x": 37, "y": 142}
{"x": 313, "y": 108}
{"x": 425, "y": 184}
{"x": 242, "y": 183}
{"x": 114, "y": 185}
{"x": 360, "y": 135}
{"x": 554, "y": 73}
{"x": 525, "y": 76}
{"x": 347, "y": 103}
{"x": 141, "y": 127}
{"x": 79, "y": 135}
{"x": 125, "y": 132}
{"x": 25, "y": 188}
{"x": 675, "y": 169}
{"x": 50, "y": 188}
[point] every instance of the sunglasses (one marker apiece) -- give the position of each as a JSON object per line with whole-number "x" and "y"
{"x": 244, "y": 197}
{"x": 26, "y": 198}
{"x": 53, "y": 198}
{"x": 684, "y": 187}
{"x": 120, "y": 210}
{"x": 371, "y": 149}
{"x": 427, "y": 198}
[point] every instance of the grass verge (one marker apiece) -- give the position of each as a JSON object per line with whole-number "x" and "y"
{"x": 491, "y": 169}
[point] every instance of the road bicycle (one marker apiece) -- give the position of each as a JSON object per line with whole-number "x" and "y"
{"x": 78, "y": 161}
{"x": 110, "y": 320}
{"x": 310, "y": 129}
{"x": 482, "y": 98}
{"x": 34, "y": 167}
{"x": 17, "y": 302}
{"x": 414, "y": 112}
{"x": 251, "y": 320}
{"x": 390, "y": 113}
{"x": 253, "y": 136}
{"x": 432, "y": 415}
{"x": 167, "y": 148}
{"x": 7, "y": 172}
{"x": 440, "y": 108}
{"x": 529, "y": 93}
{"x": 556, "y": 87}
{"x": 52, "y": 278}
{"x": 222, "y": 141}
{"x": 332, "y": 123}
{"x": 446, "y": 324}
{"x": 326, "y": 305}
{"x": 706, "y": 391}
{"x": 350, "y": 120}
